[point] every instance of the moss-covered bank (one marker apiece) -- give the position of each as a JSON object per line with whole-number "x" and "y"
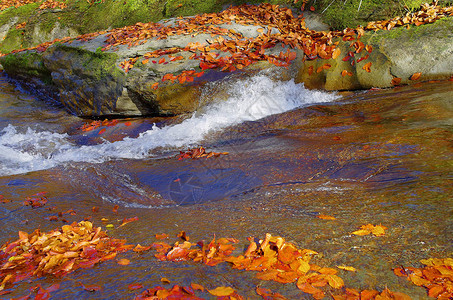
{"x": 82, "y": 17}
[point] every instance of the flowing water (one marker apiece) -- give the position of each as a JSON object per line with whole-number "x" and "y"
{"x": 379, "y": 156}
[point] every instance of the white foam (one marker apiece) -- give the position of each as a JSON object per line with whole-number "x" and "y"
{"x": 248, "y": 100}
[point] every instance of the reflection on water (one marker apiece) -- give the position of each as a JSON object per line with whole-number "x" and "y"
{"x": 379, "y": 157}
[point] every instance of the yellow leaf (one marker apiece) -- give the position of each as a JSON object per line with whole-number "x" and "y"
{"x": 164, "y": 280}
{"x": 221, "y": 291}
{"x": 379, "y": 230}
{"x": 361, "y": 232}
{"x": 304, "y": 267}
{"x": 335, "y": 281}
{"x": 347, "y": 268}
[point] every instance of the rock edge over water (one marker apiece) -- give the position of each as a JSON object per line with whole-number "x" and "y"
{"x": 90, "y": 82}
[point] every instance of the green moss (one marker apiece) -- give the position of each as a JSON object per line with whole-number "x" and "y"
{"x": 13, "y": 40}
{"x": 413, "y": 33}
{"x": 98, "y": 65}
{"x": 340, "y": 14}
{"x": 26, "y": 64}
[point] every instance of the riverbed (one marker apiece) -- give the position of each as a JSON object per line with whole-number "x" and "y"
{"x": 381, "y": 156}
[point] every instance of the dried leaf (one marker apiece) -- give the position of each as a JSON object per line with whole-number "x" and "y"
{"x": 124, "y": 262}
{"x": 347, "y": 268}
{"x": 325, "y": 217}
{"x": 416, "y": 76}
{"x": 222, "y": 291}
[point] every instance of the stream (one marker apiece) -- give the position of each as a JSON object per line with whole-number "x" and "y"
{"x": 381, "y": 156}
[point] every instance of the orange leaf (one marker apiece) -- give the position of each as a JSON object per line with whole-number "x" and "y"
{"x": 124, "y": 262}
{"x": 396, "y": 81}
{"x": 162, "y": 60}
{"x": 222, "y": 291}
{"x": 161, "y": 236}
{"x": 310, "y": 70}
{"x": 326, "y": 217}
{"x": 367, "y": 67}
{"x": 344, "y": 73}
{"x": 336, "y": 53}
{"x": 115, "y": 208}
{"x": 134, "y": 286}
{"x": 164, "y": 280}
{"x": 335, "y": 281}
{"x": 101, "y": 131}
{"x": 154, "y": 86}
{"x": 369, "y": 48}
{"x": 196, "y": 286}
{"x": 416, "y": 76}
{"x": 309, "y": 289}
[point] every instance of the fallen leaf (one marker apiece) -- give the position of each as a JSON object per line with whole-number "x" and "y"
{"x": 222, "y": 291}
{"x": 396, "y": 81}
{"x": 367, "y": 67}
{"x": 164, "y": 280}
{"x": 325, "y": 217}
{"x": 416, "y": 76}
{"x": 124, "y": 262}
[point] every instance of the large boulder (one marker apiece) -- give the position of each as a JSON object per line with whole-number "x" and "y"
{"x": 397, "y": 53}
{"x": 160, "y": 69}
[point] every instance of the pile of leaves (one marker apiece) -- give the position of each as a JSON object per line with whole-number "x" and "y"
{"x": 386, "y": 294}
{"x": 199, "y": 152}
{"x": 57, "y": 252}
{"x": 428, "y": 13}
{"x": 273, "y": 258}
{"x": 15, "y": 3}
{"x": 96, "y": 124}
{"x": 187, "y": 292}
{"x": 52, "y": 4}
{"x": 436, "y": 277}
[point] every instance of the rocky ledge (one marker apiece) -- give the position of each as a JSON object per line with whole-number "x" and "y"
{"x": 160, "y": 68}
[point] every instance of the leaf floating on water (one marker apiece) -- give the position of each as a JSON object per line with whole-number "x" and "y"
{"x": 197, "y": 153}
{"x": 347, "y": 268}
{"x": 222, "y": 291}
{"x": 377, "y": 230}
{"x": 129, "y": 220}
{"x": 134, "y": 286}
{"x": 197, "y": 286}
{"x": 268, "y": 294}
{"x": 124, "y": 262}
{"x": 161, "y": 236}
{"x": 344, "y": 73}
{"x": 164, "y": 280}
{"x": 325, "y": 217}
